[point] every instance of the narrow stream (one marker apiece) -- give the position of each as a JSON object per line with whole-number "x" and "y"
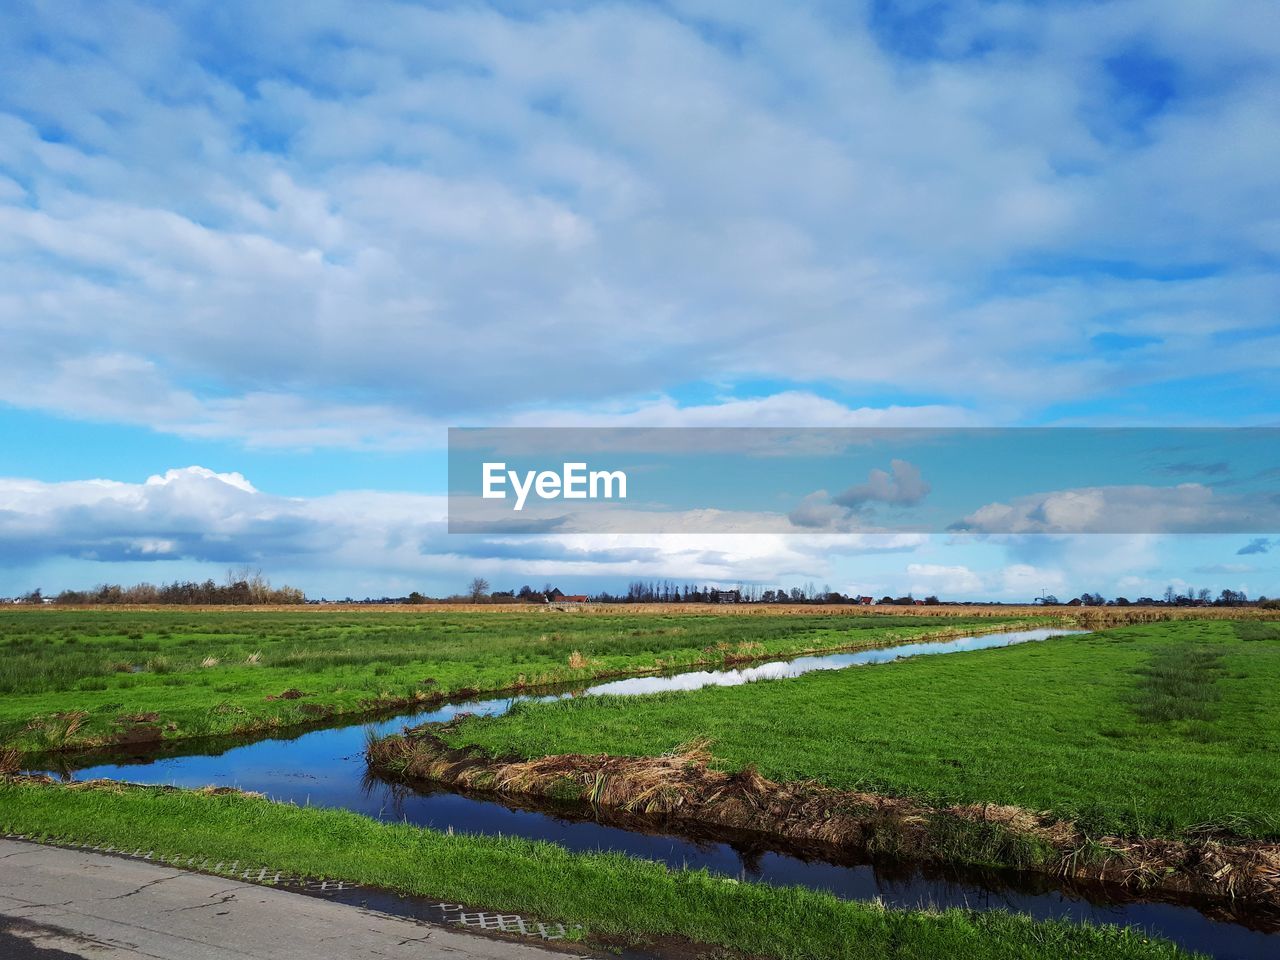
{"x": 326, "y": 768}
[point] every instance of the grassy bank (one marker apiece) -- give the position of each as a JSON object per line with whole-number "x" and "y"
{"x": 1155, "y": 730}
{"x": 679, "y": 791}
{"x": 71, "y": 678}
{"x": 607, "y": 894}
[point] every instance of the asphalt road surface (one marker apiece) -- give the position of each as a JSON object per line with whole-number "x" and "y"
{"x": 61, "y": 904}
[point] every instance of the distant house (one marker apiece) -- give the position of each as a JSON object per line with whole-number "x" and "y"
{"x": 567, "y": 598}
{"x": 726, "y": 596}
{"x": 866, "y": 601}
{"x": 918, "y": 603}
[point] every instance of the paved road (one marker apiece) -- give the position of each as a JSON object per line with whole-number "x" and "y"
{"x": 68, "y": 904}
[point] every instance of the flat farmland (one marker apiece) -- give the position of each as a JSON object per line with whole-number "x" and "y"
{"x": 76, "y": 678}
{"x": 1161, "y": 729}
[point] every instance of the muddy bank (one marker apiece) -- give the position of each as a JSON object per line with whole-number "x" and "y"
{"x": 682, "y": 791}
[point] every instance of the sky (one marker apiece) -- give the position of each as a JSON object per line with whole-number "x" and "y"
{"x": 255, "y": 260}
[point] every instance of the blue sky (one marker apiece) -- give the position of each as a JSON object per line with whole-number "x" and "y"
{"x": 291, "y": 247}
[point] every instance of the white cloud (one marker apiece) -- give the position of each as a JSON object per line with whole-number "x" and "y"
{"x": 190, "y": 513}
{"x": 179, "y": 476}
{"x": 818, "y": 511}
{"x": 900, "y": 485}
{"x": 196, "y": 522}
{"x": 788, "y": 408}
{"x": 1023, "y": 580}
{"x": 953, "y": 581}
{"x": 1136, "y": 508}
{"x": 129, "y": 389}
{"x": 361, "y": 227}
{"x": 198, "y": 515}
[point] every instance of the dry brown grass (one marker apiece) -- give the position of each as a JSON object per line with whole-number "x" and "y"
{"x": 10, "y": 761}
{"x": 683, "y": 789}
{"x": 55, "y": 731}
{"x": 1114, "y": 615}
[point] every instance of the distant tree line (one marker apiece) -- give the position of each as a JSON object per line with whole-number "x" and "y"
{"x": 665, "y": 591}
{"x": 670, "y": 591}
{"x": 658, "y": 591}
{"x": 1171, "y": 598}
{"x": 241, "y": 587}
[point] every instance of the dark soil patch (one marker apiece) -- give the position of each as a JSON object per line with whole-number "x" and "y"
{"x": 290, "y": 694}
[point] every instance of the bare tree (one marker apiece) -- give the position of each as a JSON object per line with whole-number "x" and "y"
{"x": 478, "y": 590}
{"x": 255, "y": 584}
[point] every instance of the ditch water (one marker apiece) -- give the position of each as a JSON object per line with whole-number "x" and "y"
{"x": 326, "y": 768}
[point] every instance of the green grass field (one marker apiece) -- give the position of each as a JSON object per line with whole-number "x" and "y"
{"x": 70, "y": 678}
{"x": 608, "y": 894}
{"x": 1152, "y": 730}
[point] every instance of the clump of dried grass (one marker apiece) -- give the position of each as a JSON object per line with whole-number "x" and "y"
{"x": 147, "y": 717}
{"x": 682, "y": 787}
{"x": 55, "y": 732}
{"x": 577, "y": 661}
{"x": 210, "y": 662}
{"x": 253, "y": 659}
{"x": 10, "y": 760}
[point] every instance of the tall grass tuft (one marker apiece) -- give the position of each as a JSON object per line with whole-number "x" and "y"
{"x": 56, "y": 731}
{"x": 1179, "y": 683}
{"x": 10, "y": 760}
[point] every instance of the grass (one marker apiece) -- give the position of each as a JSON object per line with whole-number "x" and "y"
{"x": 608, "y": 894}
{"x": 1180, "y": 683}
{"x": 207, "y": 673}
{"x": 1254, "y": 630}
{"x": 1153, "y": 730}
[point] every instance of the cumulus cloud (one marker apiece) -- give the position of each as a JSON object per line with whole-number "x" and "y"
{"x": 1136, "y": 508}
{"x": 193, "y": 521}
{"x": 1025, "y": 566}
{"x": 900, "y": 485}
{"x": 195, "y": 514}
{"x": 190, "y": 513}
{"x": 818, "y": 510}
